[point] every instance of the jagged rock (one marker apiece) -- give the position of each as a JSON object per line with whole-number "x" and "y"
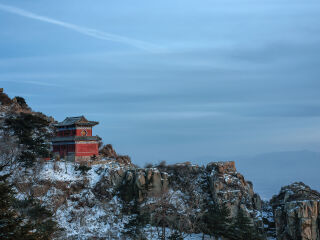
{"x": 124, "y": 159}
{"x": 165, "y": 181}
{"x": 21, "y": 102}
{"x": 140, "y": 183}
{"x": 222, "y": 167}
{"x": 257, "y": 203}
{"x": 5, "y": 99}
{"x": 297, "y": 212}
{"x": 219, "y": 182}
{"x": 108, "y": 151}
{"x": 229, "y": 186}
{"x": 13, "y": 106}
{"x": 112, "y": 178}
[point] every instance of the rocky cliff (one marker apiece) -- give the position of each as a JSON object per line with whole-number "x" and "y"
{"x": 194, "y": 186}
{"x": 228, "y": 185}
{"x": 297, "y": 212}
{"x": 91, "y": 203}
{"x": 218, "y": 181}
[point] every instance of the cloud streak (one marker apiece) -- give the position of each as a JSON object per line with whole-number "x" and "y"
{"x": 33, "y": 83}
{"x": 86, "y": 31}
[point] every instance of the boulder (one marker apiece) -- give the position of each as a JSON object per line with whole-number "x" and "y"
{"x": 297, "y": 212}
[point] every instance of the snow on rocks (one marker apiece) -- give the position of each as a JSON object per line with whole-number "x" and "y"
{"x": 71, "y": 195}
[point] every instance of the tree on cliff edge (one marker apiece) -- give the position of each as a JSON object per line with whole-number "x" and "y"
{"x": 33, "y": 134}
{"x": 23, "y": 219}
{"x": 242, "y": 228}
{"x": 9, "y": 220}
{"x": 216, "y": 220}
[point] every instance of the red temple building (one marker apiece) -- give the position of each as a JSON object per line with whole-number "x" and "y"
{"x": 74, "y": 140}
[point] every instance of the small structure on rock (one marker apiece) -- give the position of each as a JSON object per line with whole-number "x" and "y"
{"x": 74, "y": 140}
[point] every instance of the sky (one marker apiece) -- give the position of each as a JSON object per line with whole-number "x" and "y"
{"x": 174, "y": 80}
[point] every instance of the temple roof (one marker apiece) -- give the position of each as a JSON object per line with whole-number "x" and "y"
{"x": 81, "y": 120}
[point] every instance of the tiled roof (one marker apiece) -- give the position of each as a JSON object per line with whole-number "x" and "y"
{"x": 81, "y": 120}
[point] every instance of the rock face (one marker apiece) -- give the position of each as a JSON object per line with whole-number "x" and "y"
{"x": 218, "y": 181}
{"x": 229, "y": 186}
{"x": 141, "y": 183}
{"x": 297, "y": 212}
{"x": 111, "y": 179}
{"x": 132, "y": 183}
{"x": 90, "y": 204}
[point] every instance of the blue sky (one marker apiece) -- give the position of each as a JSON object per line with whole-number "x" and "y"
{"x": 171, "y": 80}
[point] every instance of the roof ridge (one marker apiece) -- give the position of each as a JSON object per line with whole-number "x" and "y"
{"x": 76, "y": 120}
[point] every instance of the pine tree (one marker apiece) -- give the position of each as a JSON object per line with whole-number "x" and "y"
{"x": 32, "y": 132}
{"x": 175, "y": 236}
{"x": 216, "y": 219}
{"x": 242, "y": 228}
{"x": 39, "y": 219}
{"x": 25, "y": 219}
{"x": 139, "y": 219}
{"x": 10, "y": 222}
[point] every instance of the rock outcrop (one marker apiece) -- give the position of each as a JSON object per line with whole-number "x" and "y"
{"x": 297, "y": 212}
{"x": 108, "y": 151}
{"x": 141, "y": 183}
{"x": 15, "y": 105}
{"x": 111, "y": 179}
{"x": 230, "y": 187}
{"x": 218, "y": 182}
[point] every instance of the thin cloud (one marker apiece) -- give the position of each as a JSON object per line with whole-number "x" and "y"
{"x": 86, "y": 31}
{"x": 33, "y": 83}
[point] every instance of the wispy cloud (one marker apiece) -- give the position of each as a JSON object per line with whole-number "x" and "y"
{"x": 38, "y": 83}
{"x": 83, "y": 30}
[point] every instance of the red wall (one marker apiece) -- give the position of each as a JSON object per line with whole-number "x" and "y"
{"x": 80, "y": 149}
{"x": 74, "y": 132}
{"x": 86, "y": 149}
{"x": 89, "y": 132}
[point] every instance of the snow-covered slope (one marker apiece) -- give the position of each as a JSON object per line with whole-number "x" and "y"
{"x": 88, "y": 203}
{"x": 70, "y": 194}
